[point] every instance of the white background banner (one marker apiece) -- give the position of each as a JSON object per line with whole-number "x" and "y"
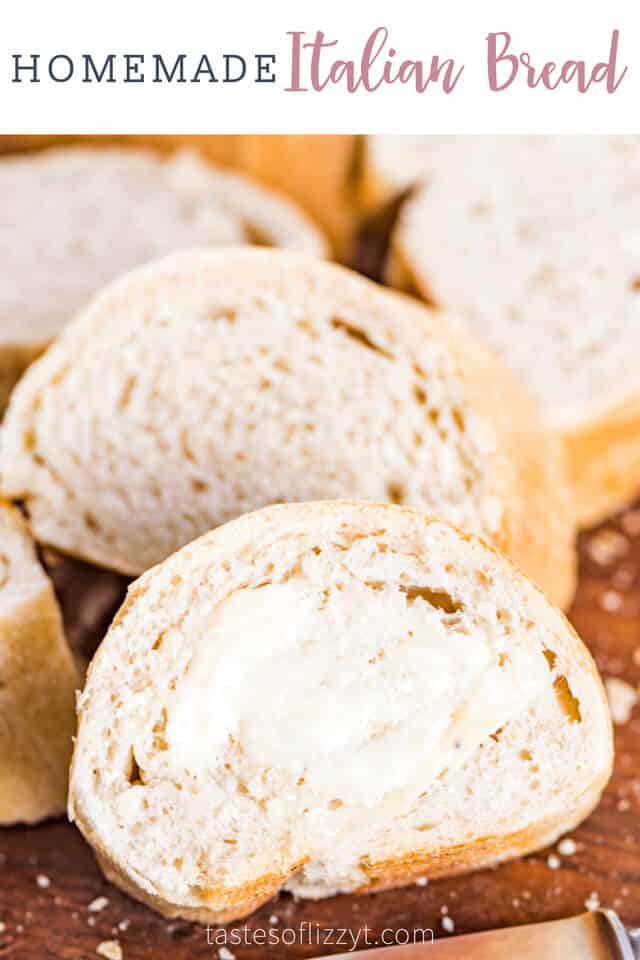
{"x": 400, "y": 66}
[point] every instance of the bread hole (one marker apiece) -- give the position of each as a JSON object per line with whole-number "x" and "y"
{"x": 199, "y": 486}
{"x": 177, "y": 863}
{"x": 439, "y": 599}
{"x": 230, "y": 842}
{"x": 396, "y": 493}
{"x": 458, "y": 419}
{"x": 187, "y": 452}
{"x": 374, "y": 584}
{"x": 316, "y": 550}
{"x": 134, "y": 773}
{"x": 480, "y": 209}
{"x": 281, "y": 364}
{"x": 420, "y": 394}
{"x": 635, "y": 284}
{"x": 225, "y": 313}
{"x": 418, "y": 439}
{"x": 526, "y": 756}
{"x": 127, "y": 390}
{"x": 434, "y": 416}
{"x": 29, "y": 440}
{"x": 5, "y": 567}
{"x": 257, "y": 236}
{"x": 308, "y": 328}
{"x": 497, "y": 734}
{"x": 359, "y": 336}
{"x": 503, "y": 659}
{"x": 550, "y": 657}
{"x": 424, "y": 827}
{"x": 265, "y": 384}
{"x": 569, "y": 704}
{"x": 91, "y": 522}
{"x": 335, "y": 804}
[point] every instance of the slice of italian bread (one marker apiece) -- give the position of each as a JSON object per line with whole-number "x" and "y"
{"x": 327, "y": 698}
{"x": 76, "y": 217}
{"x": 535, "y": 241}
{"x": 214, "y": 382}
{"x": 38, "y": 680}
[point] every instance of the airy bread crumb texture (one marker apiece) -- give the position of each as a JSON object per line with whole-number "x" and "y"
{"x": 534, "y": 242}
{"x": 327, "y": 698}
{"x": 215, "y": 382}
{"x": 77, "y": 217}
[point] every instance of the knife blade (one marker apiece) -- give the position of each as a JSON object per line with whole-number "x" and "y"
{"x": 597, "y": 935}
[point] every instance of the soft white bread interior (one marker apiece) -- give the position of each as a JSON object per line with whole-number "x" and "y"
{"x": 535, "y": 242}
{"x": 38, "y": 680}
{"x": 331, "y": 697}
{"x": 76, "y": 217}
{"x": 215, "y": 382}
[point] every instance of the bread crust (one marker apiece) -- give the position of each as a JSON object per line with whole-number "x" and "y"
{"x": 602, "y": 455}
{"x": 393, "y": 872}
{"x": 39, "y": 680}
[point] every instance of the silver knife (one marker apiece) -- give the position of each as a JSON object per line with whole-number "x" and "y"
{"x": 597, "y": 935}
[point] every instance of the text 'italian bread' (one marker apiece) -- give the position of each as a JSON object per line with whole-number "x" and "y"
{"x": 215, "y": 382}
{"x": 327, "y": 698}
{"x": 533, "y": 241}
{"x": 38, "y": 680}
{"x": 76, "y": 217}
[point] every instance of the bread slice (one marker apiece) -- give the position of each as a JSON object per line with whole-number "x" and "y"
{"x": 327, "y": 698}
{"x": 76, "y": 217}
{"x": 215, "y": 382}
{"x": 320, "y": 173}
{"x": 534, "y": 241}
{"x": 38, "y": 680}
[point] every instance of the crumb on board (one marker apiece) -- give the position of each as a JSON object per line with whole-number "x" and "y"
{"x": 448, "y": 924}
{"x": 567, "y": 847}
{"x": 622, "y": 699}
{"x": 99, "y": 903}
{"x": 225, "y": 954}
{"x": 110, "y": 949}
{"x": 611, "y": 601}
{"x": 607, "y": 546}
{"x": 43, "y": 881}
{"x": 3, "y": 927}
{"x": 422, "y": 881}
{"x": 553, "y": 861}
{"x": 273, "y": 920}
{"x": 593, "y": 901}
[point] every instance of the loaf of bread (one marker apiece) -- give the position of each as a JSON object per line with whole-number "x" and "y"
{"x": 535, "y": 242}
{"x": 38, "y": 680}
{"x": 215, "y": 382}
{"x": 77, "y": 217}
{"x": 327, "y": 698}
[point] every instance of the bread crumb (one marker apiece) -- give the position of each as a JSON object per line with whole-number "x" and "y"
{"x": 124, "y": 925}
{"x": 98, "y": 904}
{"x": 593, "y": 901}
{"x": 622, "y": 699}
{"x": 43, "y": 881}
{"x": 273, "y": 920}
{"x": 444, "y": 909}
{"x": 636, "y": 656}
{"x": 623, "y": 805}
{"x": 447, "y": 924}
{"x": 606, "y": 546}
{"x": 553, "y": 861}
{"x": 567, "y": 847}
{"x": 110, "y": 949}
{"x": 3, "y": 927}
{"x": 611, "y": 601}
{"x": 422, "y": 881}
{"x": 225, "y": 954}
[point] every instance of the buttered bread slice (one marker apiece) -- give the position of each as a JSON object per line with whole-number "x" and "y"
{"x": 326, "y": 698}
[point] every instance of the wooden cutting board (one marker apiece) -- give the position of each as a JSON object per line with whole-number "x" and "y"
{"x": 55, "y": 904}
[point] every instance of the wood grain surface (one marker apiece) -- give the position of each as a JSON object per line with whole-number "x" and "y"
{"x": 55, "y": 904}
